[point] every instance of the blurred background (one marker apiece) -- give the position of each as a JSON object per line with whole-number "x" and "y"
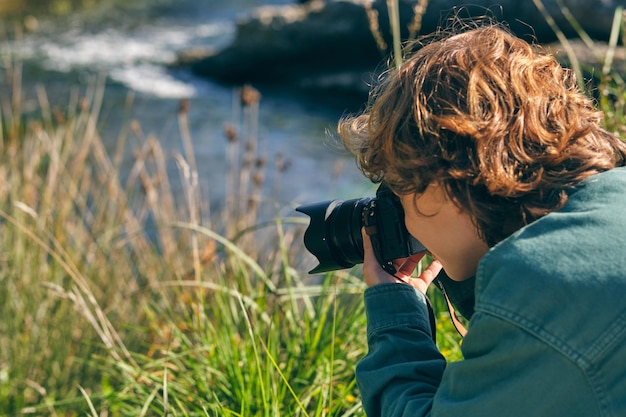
{"x": 64, "y": 45}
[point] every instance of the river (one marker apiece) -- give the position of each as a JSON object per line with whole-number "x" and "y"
{"x": 132, "y": 46}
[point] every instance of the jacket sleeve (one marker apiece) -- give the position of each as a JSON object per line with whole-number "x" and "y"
{"x": 403, "y": 367}
{"x": 506, "y": 371}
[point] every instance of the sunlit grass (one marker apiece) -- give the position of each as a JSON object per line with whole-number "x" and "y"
{"x": 126, "y": 299}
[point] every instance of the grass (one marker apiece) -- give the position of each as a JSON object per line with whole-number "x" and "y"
{"x": 125, "y": 300}
{"x": 123, "y": 297}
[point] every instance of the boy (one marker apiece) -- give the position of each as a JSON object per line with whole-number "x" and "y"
{"x": 507, "y": 177}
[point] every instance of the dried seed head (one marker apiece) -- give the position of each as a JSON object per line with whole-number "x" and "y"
{"x": 135, "y": 126}
{"x": 258, "y": 179}
{"x": 183, "y": 106}
{"x": 252, "y": 203}
{"x": 231, "y": 133}
{"x": 59, "y": 117}
{"x": 249, "y": 95}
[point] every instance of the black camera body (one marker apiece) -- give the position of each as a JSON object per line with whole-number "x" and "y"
{"x": 334, "y": 233}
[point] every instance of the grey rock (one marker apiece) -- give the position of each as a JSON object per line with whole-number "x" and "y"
{"x": 330, "y": 43}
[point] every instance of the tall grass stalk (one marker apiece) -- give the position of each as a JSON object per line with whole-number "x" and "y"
{"x": 564, "y": 41}
{"x": 394, "y": 22}
{"x": 612, "y": 87}
{"x": 126, "y": 300}
{"x": 66, "y": 279}
{"x": 613, "y": 39}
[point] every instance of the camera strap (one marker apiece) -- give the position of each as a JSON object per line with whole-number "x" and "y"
{"x": 458, "y": 325}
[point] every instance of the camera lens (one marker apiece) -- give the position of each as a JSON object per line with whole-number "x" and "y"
{"x": 334, "y": 233}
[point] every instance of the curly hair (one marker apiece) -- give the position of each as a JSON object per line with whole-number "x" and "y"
{"x": 495, "y": 120}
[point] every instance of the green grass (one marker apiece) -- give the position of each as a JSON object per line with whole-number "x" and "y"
{"x": 120, "y": 298}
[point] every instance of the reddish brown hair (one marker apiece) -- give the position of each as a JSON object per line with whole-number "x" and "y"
{"x": 500, "y": 124}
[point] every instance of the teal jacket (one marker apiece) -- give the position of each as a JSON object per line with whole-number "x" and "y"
{"x": 548, "y": 333}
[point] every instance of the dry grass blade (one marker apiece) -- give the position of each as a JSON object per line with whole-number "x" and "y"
{"x": 618, "y": 19}
{"x": 564, "y": 41}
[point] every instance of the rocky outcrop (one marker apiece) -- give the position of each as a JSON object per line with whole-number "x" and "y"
{"x": 311, "y": 43}
{"x": 333, "y": 43}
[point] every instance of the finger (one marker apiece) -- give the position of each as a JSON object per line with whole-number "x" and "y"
{"x": 372, "y": 271}
{"x": 431, "y": 272}
{"x": 408, "y": 265}
{"x": 427, "y": 276}
{"x": 368, "y": 249}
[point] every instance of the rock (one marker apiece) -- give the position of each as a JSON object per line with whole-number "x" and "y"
{"x": 524, "y": 18}
{"x": 295, "y": 42}
{"x": 330, "y": 43}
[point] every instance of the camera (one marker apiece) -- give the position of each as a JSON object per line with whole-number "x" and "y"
{"x": 334, "y": 232}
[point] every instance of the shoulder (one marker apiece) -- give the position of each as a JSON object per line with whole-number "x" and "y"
{"x": 550, "y": 274}
{"x": 520, "y": 368}
{"x": 513, "y": 373}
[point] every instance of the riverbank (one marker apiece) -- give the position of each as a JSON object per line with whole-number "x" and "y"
{"x": 130, "y": 53}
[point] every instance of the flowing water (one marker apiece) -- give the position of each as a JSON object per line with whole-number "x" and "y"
{"x": 131, "y": 47}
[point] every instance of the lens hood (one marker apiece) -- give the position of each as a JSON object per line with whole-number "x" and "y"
{"x": 334, "y": 233}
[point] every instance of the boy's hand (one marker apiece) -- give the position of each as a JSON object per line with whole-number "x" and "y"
{"x": 374, "y": 274}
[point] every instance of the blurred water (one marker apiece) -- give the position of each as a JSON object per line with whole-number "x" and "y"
{"x": 131, "y": 47}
